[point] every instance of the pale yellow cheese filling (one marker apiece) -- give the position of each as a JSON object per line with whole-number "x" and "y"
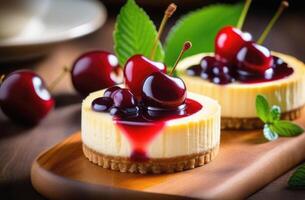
{"x": 193, "y": 134}
{"x": 237, "y": 100}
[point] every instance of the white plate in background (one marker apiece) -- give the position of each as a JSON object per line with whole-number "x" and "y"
{"x": 64, "y": 20}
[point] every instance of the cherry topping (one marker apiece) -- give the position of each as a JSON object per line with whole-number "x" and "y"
{"x": 161, "y": 90}
{"x": 137, "y": 69}
{"x": 125, "y": 112}
{"x": 228, "y": 42}
{"x": 207, "y": 63}
{"x": 94, "y": 71}
{"x": 102, "y": 104}
{"x": 254, "y": 57}
{"x": 221, "y": 74}
{"x": 110, "y": 91}
{"x": 194, "y": 70}
{"x": 24, "y": 97}
{"x": 123, "y": 98}
{"x": 212, "y": 69}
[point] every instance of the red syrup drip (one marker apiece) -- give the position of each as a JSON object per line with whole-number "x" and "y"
{"x": 279, "y": 70}
{"x": 142, "y": 129}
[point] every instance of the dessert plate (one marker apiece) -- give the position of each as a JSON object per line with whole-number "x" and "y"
{"x": 64, "y": 20}
{"x": 246, "y": 163}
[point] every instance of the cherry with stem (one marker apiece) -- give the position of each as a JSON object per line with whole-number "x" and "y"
{"x": 255, "y": 57}
{"x": 282, "y": 7}
{"x": 168, "y": 13}
{"x": 229, "y": 40}
{"x": 164, "y": 92}
{"x": 138, "y": 68}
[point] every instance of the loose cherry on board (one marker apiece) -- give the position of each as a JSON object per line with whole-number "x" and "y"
{"x": 94, "y": 71}
{"x": 24, "y": 97}
{"x": 163, "y": 91}
{"x": 228, "y": 42}
{"x": 137, "y": 69}
{"x": 254, "y": 57}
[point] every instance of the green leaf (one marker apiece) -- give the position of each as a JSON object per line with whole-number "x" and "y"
{"x": 269, "y": 134}
{"x": 297, "y": 180}
{"x": 275, "y": 113}
{"x": 200, "y": 27}
{"x": 262, "y": 108}
{"x": 134, "y": 34}
{"x": 286, "y": 128}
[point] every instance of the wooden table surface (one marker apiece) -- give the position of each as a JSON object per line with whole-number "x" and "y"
{"x": 20, "y": 145}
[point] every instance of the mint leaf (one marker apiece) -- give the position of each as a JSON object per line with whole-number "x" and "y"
{"x": 135, "y": 33}
{"x": 297, "y": 180}
{"x": 200, "y": 27}
{"x": 262, "y": 108}
{"x": 269, "y": 134}
{"x": 275, "y": 113}
{"x": 286, "y": 128}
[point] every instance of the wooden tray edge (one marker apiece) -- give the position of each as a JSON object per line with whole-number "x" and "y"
{"x": 54, "y": 186}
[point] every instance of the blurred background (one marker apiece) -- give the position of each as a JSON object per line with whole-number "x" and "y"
{"x": 45, "y": 35}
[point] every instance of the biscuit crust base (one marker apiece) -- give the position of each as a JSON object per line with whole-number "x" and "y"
{"x": 153, "y": 166}
{"x": 229, "y": 123}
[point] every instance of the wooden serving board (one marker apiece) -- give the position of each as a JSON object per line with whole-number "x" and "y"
{"x": 246, "y": 162}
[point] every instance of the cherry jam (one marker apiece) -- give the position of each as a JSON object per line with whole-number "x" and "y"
{"x": 149, "y": 123}
{"x": 227, "y": 74}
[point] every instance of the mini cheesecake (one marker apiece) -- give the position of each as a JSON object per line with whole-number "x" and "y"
{"x": 150, "y": 143}
{"x": 237, "y": 99}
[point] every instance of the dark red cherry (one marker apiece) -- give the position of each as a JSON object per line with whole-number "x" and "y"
{"x": 102, "y": 104}
{"x": 204, "y": 68}
{"x": 194, "y": 70}
{"x": 229, "y": 40}
{"x": 221, "y": 74}
{"x": 163, "y": 91}
{"x": 255, "y": 58}
{"x": 94, "y": 71}
{"x": 137, "y": 69}
{"x": 123, "y": 98}
{"x": 207, "y": 63}
{"x": 24, "y": 97}
{"x": 125, "y": 112}
{"x": 110, "y": 91}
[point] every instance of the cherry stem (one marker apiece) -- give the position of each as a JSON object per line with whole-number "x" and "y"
{"x": 186, "y": 46}
{"x": 243, "y": 15}
{"x": 284, "y": 4}
{"x": 58, "y": 78}
{"x": 168, "y": 13}
{"x": 2, "y": 78}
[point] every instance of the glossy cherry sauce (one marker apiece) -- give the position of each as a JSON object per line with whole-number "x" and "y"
{"x": 144, "y": 127}
{"x": 279, "y": 70}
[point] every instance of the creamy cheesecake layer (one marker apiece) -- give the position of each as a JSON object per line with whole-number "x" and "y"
{"x": 237, "y": 100}
{"x": 197, "y": 133}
